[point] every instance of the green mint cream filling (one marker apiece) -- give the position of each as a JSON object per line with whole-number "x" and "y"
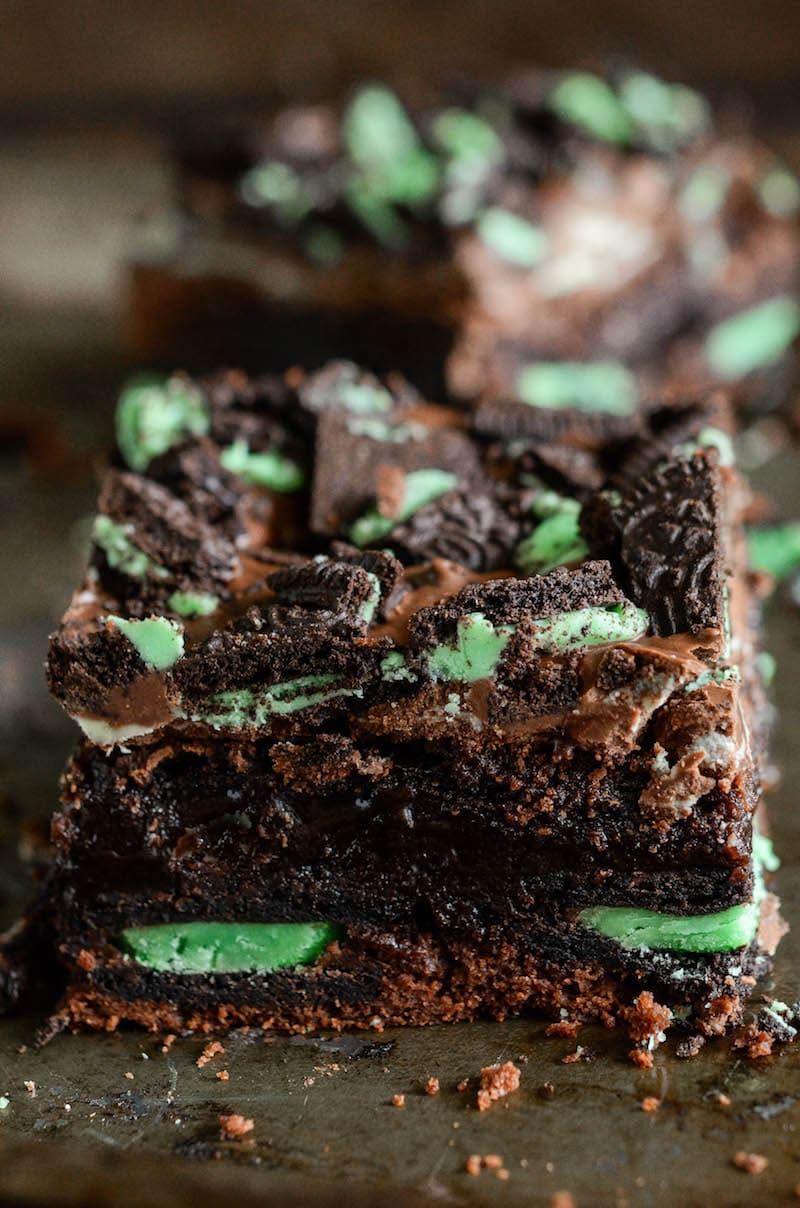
{"x": 227, "y": 947}
{"x": 588, "y": 101}
{"x": 754, "y": 338}
{"x": 478, "y": 645}
{"x": 720, "y": 931}
{"x": 153, "y": 416}
{"x": 266, "y": 469}
{"x": 591, "y": 386}
{"x": 556, "y": 540}
{"x": 420, "y": 487}
{"x": 251, "y": 707}
{"x": 158, "y": 640}
{"x": 121, "y": 553}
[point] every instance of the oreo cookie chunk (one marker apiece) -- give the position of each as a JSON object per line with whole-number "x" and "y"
{"x": 375, "y": 469}
{"x": 666, "y": 535}
{"x": 148, "y": 543}
{"x": 477, "y": 528}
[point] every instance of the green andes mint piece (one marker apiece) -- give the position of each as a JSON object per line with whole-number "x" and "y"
{"x": 723, "y": 931}
{"x": 512, "y": 238}
{"x": 216, "y": 947}
{"x": 193, "y": 603}
{"x": 266, "y": 469}
{"x": 154, "y": 416}
{"x": 420, "y": 487}
{"x": 158, "y": 640}
{"x": 589, "y": 102}
{"x": 775, "y": 549}
{"x": 753, "y": 339}
{"x": 605, "y": 387}
{"x": 121, "y": 553}
{"x": 475, "y": 653}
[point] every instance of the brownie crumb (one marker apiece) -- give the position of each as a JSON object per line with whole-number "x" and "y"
{"x": 168, "y": 1042}
{"x": 209, "y": 1052}
{"x": 756, "y": 1042}
{"x": 398, "y": 1100}
{"x": 651, "y": 1104}
{"x": 492, "y": 1161}
{"x": 690, "y": 1047}
{"x": 222, "y": 1075}
{"x": 547, "y": 1090}
{"x": 462, "y": 1086}
{"x": 751, "y": 1163}
{"x": 129, "y": 1075}
{"x": 235, "y": 1126}
{"x": 562, "y": 1199}
{"x": 473, "y": 1164}
{"x": 581, "y": 1054}
{"x": 30, "y": 1087}
{"x": 565, "y": 1027}
{"x": 432, "y": 1086}
{"x": 497, "y": 1081}
{"x": 641, "y": 1057}
{"x": 723, "y": 1100}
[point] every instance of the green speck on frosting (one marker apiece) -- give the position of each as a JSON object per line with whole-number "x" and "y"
{"x": 266, "y": 469}
{"x": 193, "y": 603}
{"x": 361, "y": 398}
{"x": 510, "y": 237}
{"x": 121, "y": 553}
{"x": 212, "y": 947}
{"x": 466, "y": 137}
{"x": 242, "y": 707}
{"x": 158, "y": 640}
{"x": 669, "y": 114}
{"x": 779, "y": 190}
{"x": 153, "y": 416}
{"x": 420, "y": 487}
{"x": 392, "y": 165}
{"x": 721, "y": 931}
{"x": 591, "y": 386}
{"x": 556, "y": 540}
{"x": 589, "y": 102}
{"x": 704, "y": 192}
{"x": 775, "y": 548}
{"x": 754, "y": 338}
{"x": 475, "y": 653}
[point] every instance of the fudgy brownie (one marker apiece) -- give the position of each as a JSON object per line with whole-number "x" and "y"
{"x": 563, "y": 238}
{"x": 401, "y": 713}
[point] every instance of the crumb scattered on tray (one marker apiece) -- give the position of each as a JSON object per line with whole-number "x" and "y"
{"x": 497, "y": 1081}
{"x": 641, "y": 1057}
{"x": 30, "y": 1087}
{"x": 222, "y": 1075}
{"x": 462, "y": 1086}
{"x": 582, "y": 1053}
{"x": 129, "y": 1075}
{"x": 751, "y": 1163}
{"x": 168, "y": 1042}
{"x": 723, "y": 1100}
{"x": 209, "y": 1052}
{"x": 432, "y": 1086}
{"x": 547, "y": 1090}
{"x": 398, "y": 1100}
{"x": 650, "y": 1104}
{"x": 235, "y": 1126}
{"x": 562, "y": 1199}
{"x": 565, "y": 1027}
{"x": 690, "y": 1047}
{"x": 476, "y": 1162}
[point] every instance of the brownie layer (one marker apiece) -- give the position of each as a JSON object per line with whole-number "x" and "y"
{"x": 383, "y": 835}
{"x": 376, "y": 979}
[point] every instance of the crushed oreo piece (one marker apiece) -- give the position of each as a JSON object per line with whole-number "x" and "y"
{"x": 510, "y": 601}
{"x": 477, "y": 529}
{"x": 671, "y": 545}
{"x": 345, "y": 589}
{"x": 378, "y": 562}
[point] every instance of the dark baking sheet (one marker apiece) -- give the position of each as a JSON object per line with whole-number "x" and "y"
{"x": 325, "y": 1129}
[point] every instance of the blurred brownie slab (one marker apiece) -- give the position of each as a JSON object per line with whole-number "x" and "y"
{"x": 563, "y": 238}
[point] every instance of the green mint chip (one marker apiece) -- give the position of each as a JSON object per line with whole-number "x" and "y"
{"x": 265, "y": 469}
{"x": 590, "y": 103}
{"x": 704, "y": 193}
{"x": 193, "y": 603}
{"x": 592, "y": 386}
{"x": 158, "y": 640}
{"x": 420, "y": 487}
{"x": 466, "y": 137}
{"x": 121, "y": 552}
{"x": 556, "y": 540}
{"x": 721, "y": 931}
{"x": 753, "y": 339}
{"x": 153, "y": 416}
{"x": 475, "y": 653}
{"x": 512, "y": 238}
{"x": 775, "y": 549}
{"x": 779, "y": 191}
{"x": 669, "y": 114}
